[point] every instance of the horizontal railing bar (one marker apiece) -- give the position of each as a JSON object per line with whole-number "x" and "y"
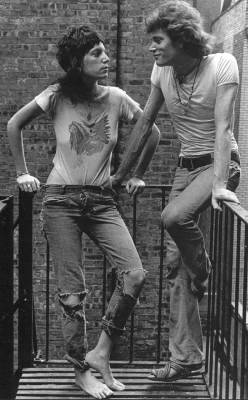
{"x": 152, "y": 186}
{"x": 238, "y": 210}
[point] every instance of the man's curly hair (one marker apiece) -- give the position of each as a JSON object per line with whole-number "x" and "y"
{"x": 183, "y": 24}
{"x": 71, "y": 50}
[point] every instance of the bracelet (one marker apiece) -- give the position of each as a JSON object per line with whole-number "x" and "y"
{"x": 21, "y": 173}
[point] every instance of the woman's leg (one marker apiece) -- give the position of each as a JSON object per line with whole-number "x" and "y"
{"x": 64, "y": 236}
{"x": 112, "y": 236}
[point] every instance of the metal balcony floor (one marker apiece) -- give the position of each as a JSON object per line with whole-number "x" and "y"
{"x": 57, "y": 383}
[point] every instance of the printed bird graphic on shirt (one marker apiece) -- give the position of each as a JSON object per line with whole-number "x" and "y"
{"x": 89, "y": 138}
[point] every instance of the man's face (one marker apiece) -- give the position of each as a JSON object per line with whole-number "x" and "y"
{"x": 96, "y": 62}
{"x": 164, "y": 51}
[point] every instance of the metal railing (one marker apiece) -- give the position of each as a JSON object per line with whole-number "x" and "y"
{"x": 6, "y": 294}
{"x": 227, "y": 333}
{"x": 9, "y": 230}
{"x": 226, "y": 347}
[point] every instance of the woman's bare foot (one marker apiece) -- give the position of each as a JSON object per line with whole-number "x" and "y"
{"x": 101, "y": 364}
{"x": 87, "y": 382}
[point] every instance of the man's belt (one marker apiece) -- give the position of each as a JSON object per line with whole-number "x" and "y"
{"x": 205, "y": 159}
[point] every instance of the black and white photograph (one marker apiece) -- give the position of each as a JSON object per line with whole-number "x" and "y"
{"x": 123, "y": 200}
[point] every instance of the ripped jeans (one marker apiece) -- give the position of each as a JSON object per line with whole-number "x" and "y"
{"x": 68, "y": 211}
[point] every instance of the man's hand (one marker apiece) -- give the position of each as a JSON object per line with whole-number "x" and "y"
{"x": 135, "y": 186}
{"x": 223, "y": 194}
{"x": 28, "y": 183}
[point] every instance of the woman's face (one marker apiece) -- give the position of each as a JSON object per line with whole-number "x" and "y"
{"x": 96, "y": 62}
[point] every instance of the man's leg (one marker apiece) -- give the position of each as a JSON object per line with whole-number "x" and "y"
{"x": 64, "y": 236}
{"x": 112, "y": 236}
{"x": 185, "y": 337}
{"x": 180, "y": 218}
{"x": 185, "y": 325}
{"x": 185, "y": 333}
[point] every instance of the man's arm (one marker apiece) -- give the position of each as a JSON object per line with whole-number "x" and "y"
{"x": 148, "y": 150}
{"x": 136, "y": 184}
{"x": 224, "y": 106}
{"x": 140, "y": 133}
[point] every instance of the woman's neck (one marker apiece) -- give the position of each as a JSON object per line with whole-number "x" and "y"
{"x": 91, "y": 86}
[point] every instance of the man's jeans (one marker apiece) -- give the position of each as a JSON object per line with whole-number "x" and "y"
{"x": 67, "y": 212}
{"x": 186, "y": 257}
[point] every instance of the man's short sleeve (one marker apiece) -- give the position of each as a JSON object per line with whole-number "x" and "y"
{"x": 227, "y": 70}
{"x": 45, "y": 98}
{"x": 155, "y": 76}
{"x": 129, "y": 107}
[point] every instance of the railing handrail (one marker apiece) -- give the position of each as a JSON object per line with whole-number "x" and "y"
{"x": 238, "y": 210}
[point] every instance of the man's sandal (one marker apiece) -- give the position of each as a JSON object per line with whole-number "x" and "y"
{"x": 180, "y": 372}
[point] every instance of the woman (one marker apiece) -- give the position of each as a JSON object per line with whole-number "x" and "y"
{"x": 79, "y": 196}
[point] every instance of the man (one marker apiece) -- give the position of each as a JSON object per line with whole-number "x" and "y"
{"x": 199, "y": 90}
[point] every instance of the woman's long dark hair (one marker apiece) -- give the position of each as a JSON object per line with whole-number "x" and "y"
{"x": 71, "y": 50}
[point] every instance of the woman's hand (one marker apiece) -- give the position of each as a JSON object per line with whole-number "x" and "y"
{"x": 221, "y": 194}
{"x": 135, "y": 185}
{"x": 28, "y": 183}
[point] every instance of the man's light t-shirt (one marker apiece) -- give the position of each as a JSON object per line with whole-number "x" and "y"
{"x": 85, "y": 144}
{"x": 196, "y": 129}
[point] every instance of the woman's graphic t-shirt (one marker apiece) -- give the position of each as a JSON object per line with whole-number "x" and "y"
{"x": 86, "y": 134}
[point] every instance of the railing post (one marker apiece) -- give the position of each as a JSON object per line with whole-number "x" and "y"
{"x": 6, "y": 298}
{"x": 25, "y": 281}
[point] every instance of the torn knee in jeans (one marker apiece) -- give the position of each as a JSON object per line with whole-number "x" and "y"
{"x": 132, "y": 281}
{"x": 72, "y": 304}
{"x": 113, "y": 323}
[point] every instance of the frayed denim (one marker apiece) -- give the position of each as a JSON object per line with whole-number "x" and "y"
{"x": 67, "y": 213}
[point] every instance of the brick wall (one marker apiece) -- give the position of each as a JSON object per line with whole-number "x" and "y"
{"x": 230, "y": 30}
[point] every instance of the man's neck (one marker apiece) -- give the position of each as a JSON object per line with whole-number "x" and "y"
{"x": 185, "y": 66}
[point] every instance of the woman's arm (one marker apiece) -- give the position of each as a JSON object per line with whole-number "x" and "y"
{"x": 15, "y": 125}
{"x": 140, "y": 133}
{"x": 224, "y": 106}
